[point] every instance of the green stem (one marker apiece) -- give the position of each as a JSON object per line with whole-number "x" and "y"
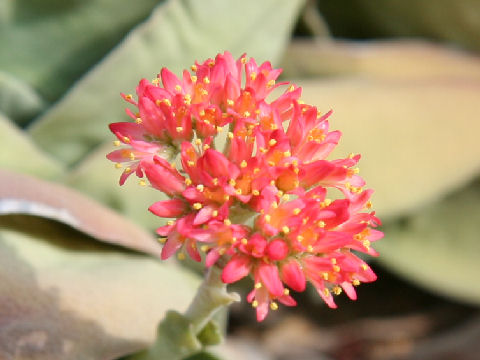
{"x": 177, "y": 335}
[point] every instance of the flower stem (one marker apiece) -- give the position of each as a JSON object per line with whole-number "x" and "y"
{"x": 177, "y": 335}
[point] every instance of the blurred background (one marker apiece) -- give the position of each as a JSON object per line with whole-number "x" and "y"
{"x": 403, "y": 80}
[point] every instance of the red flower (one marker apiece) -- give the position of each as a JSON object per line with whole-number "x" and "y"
{"x": 256, "y": 193}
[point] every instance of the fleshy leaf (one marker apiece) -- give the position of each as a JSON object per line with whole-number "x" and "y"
{"x": 437, "y": 247}
{"x": 18, "y": 153}
{"x": 64, "y": 296}
{"x": 404, "y": 60}
{"x": 177, "y": 33}
{"x": 20, "y": 194}
{"x": 52, "y": 43}
{"x": 18, "y": 100}
{"x": 412, "y": 133}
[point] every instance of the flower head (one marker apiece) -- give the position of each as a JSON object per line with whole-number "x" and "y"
{"x": 249, "y": 180}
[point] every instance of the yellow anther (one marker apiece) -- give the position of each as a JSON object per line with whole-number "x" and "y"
{"x": 274, "y": 205}
{"x": 258, "y": 285}
{"x": 285, "y": 197}
{"x": 291, "y": 88}
{"x": 142, "y": 183}
{"x": 325, "y": 203}
{"x": 321, "y": 224}
{"x": 325, "y": 276}
{"x": 285, "y": 229}
{"x": 200, "y": 187}
{"x": 351, "y": 155}
{"x": 204, "y": 92}
{"x": 272, "y": 142}
{"x": 172, "y": 165}
{"x": 230, "y": 135}
{"x": 310, "y": 248}
{"x": 280, "y": 193}
{"x": 271, "y": 83}
{"x": 287, "y": 154}
{"x": 268, "y": 218}
{"x": 336, "y": 268}
{"x": 246, "y": 114}
{"x": 232, "y": 182}
{"x": 355, "y": 282}
{"x": 256, "y": 192}
{"x": 366, "y": 243}
{"x": 131, "y": 156}
{"x": 170, "y": 222}
{"x": 254, "y": 303}
{"x": 188, "y": 181}
{"x": 230, "y": 102}
{"x": 215, "y": 181}
{"x": 243, "y": 164}
{"x": 118, "y": 165}
{"x": 206, "y": 80}
{"x": 179, "y": 129}
{"x": 206, "y": 147}
{"x": 162, "y": 240}
{"x": 326, "y": 292}
{"x": 129, "y": 97}
{"x": 256, "y": 170}
{"x": 365, "y": 267}
{"x": 368, "y": 205}
{"x": 215, "y": 213}
{"x": 181, "y": 256}
{"x": 126, "y": 140}
{"x": 301, "y": 102}
{"x": 222, "y": 251}
{"x": 227, "y": 222}
{"x": 178, "y": 88}
{"x": 187, "y": 99}
{"x": 198, "y": 142}
{"x": 333, "y": 261}
{"x": 286, "y": 291}
{"x": 219, "y": 129}
{"x": 204, "y": 248}
{"x": 138, "y": 120}
{"x": 194, "y": 78}
{"x": 127, "y": 170}
{"x": 238, "y": 191}
{"x": 243, "y": 60}
{"x": 304, "y": 221}
{"x": 300, "y": 238}
{"x": 273, "y": 306}
{"x": 226, "y": 197}
{"x": 193, "y": 67}
{"x": 244, "y": 241}
{"x": 272, "y": 182}
{"x": 337, "y": 290}
{"x": 197, "y": 206}
{"x": 116, "y": 143}
{"x": 190, "y": 163}
{"x": 253, "y": 76}
{"x": 271, "y": 163}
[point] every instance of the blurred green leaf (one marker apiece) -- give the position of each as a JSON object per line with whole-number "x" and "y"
{"x": 20, "y": 194}
{"x": 51, "y": 43}
{"x": 177, "y": 33}
{"x": 437, "y": 246}
{"x": 64, "y": 296}
{"x": 18, "y": 100}
{"x": 18, "y": 153}
{"x": 415, "y": 134}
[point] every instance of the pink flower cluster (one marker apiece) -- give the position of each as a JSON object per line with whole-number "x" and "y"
{"x": 248, "y": 180}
